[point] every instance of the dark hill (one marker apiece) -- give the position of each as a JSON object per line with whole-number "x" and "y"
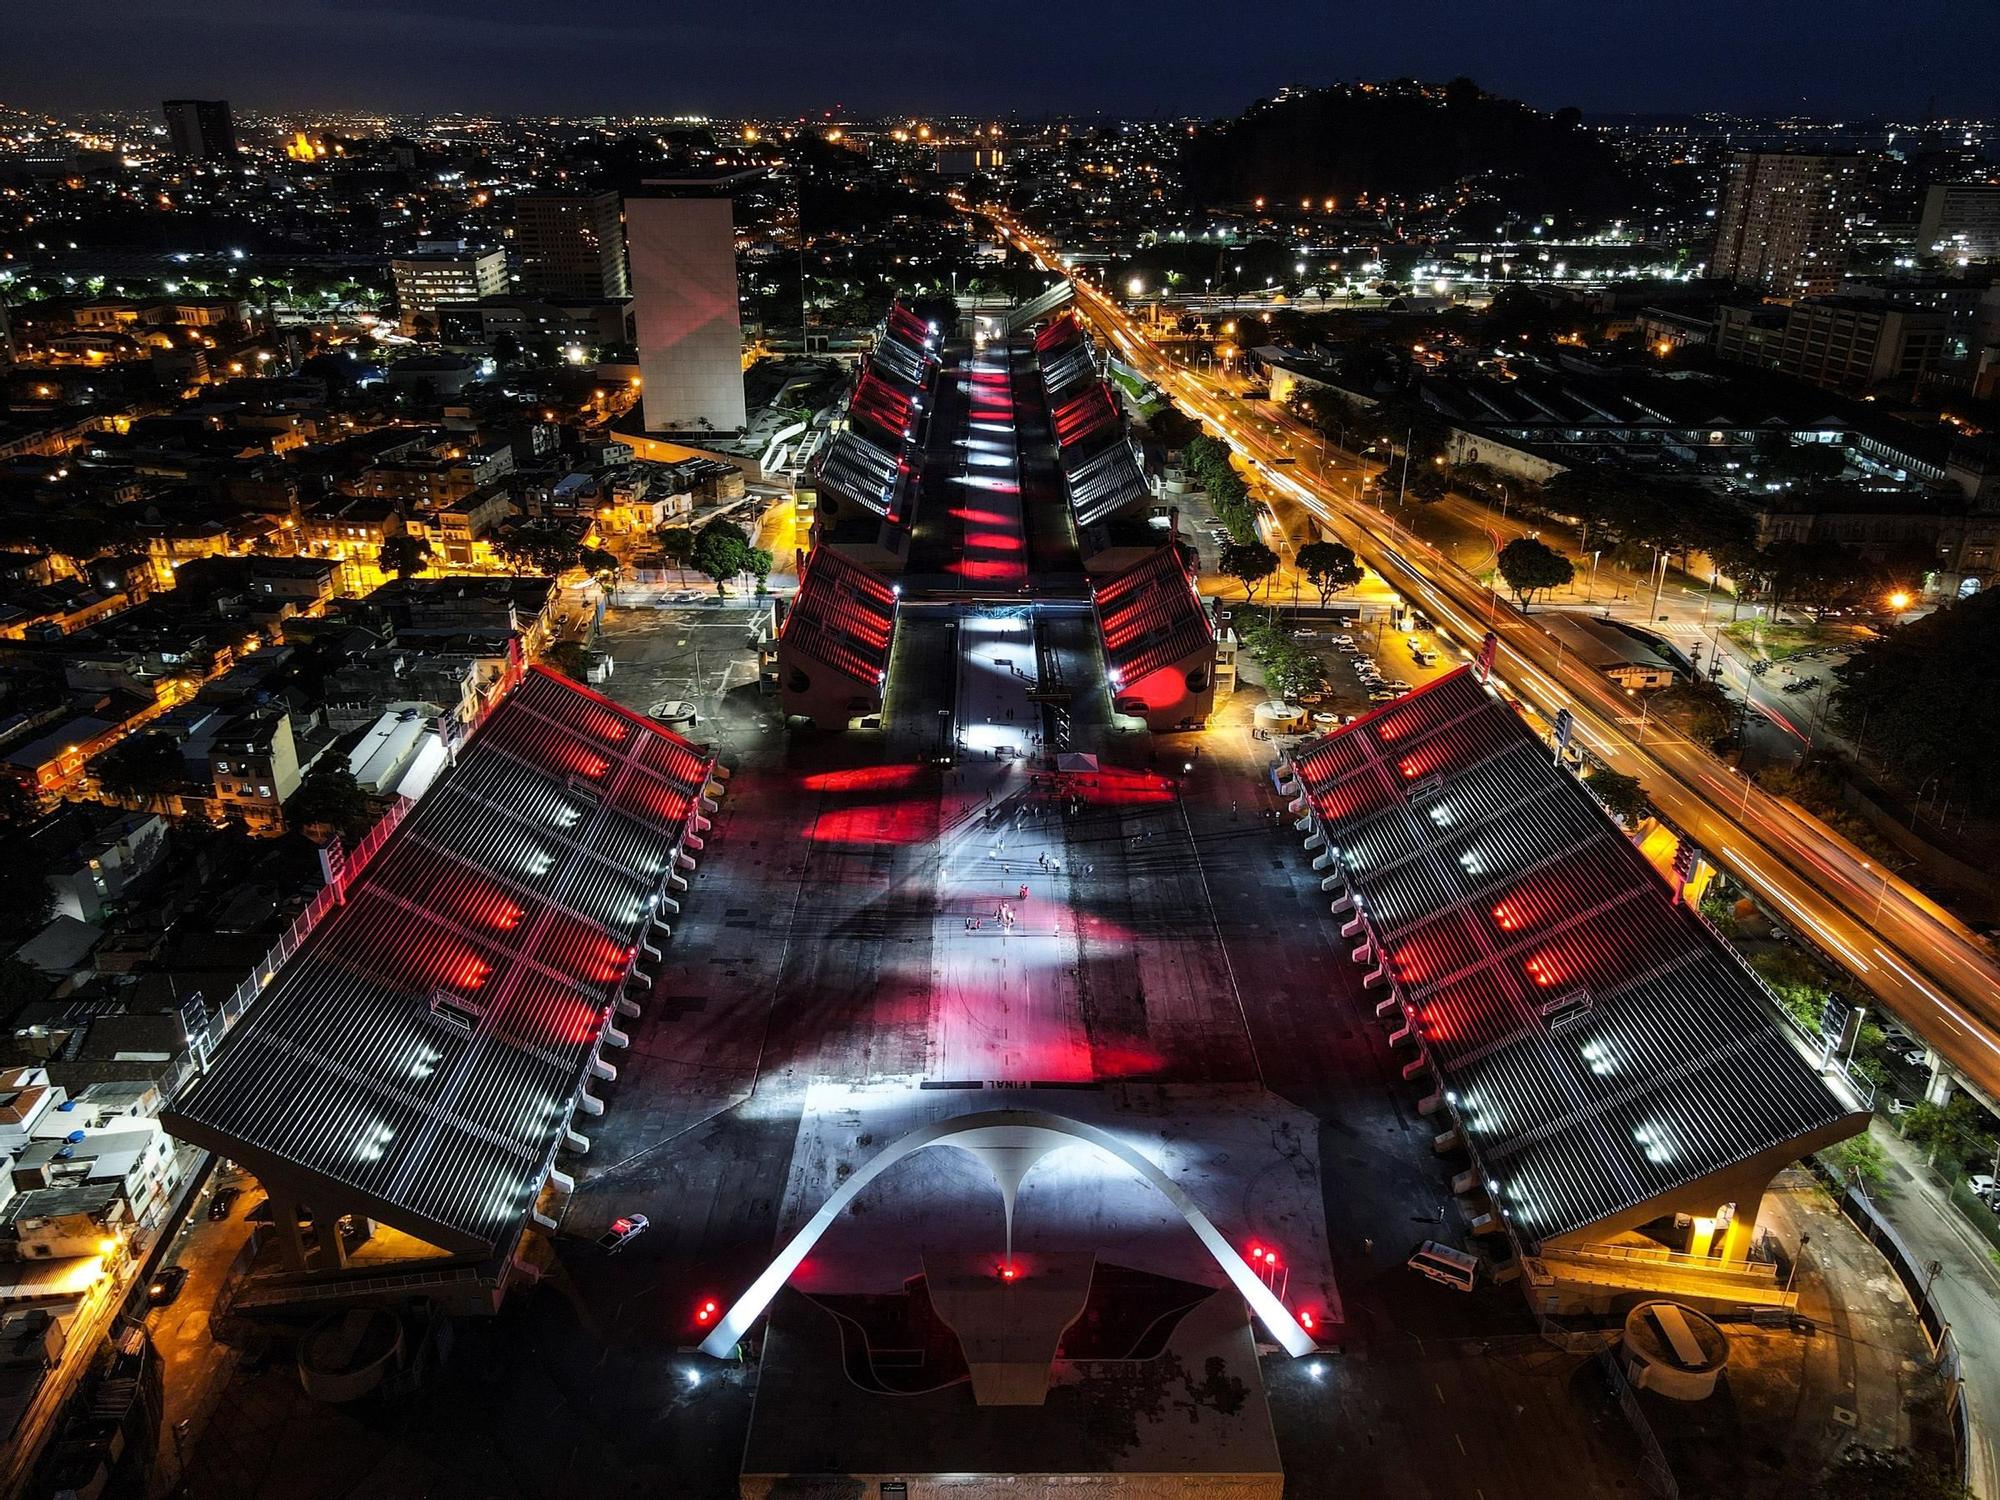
{"x": 1408, "y": 140}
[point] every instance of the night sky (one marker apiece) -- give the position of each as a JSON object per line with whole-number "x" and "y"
{"x": 1025, "y": 57}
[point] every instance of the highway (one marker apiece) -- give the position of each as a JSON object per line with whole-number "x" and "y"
{"x": 1931, "y": 971}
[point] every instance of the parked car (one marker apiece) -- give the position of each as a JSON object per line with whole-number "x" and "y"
{"x": 624, "y": 1229}
{"x": 1305, "y": 633}
{"x": 166, "y": 1286}
{"x": 1443, "y": 1264}
{"x": 1983, "y": 1184}
{"x": 223, "y": 1201}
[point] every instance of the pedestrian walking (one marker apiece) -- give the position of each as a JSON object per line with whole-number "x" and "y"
{"x": 1024, "y": 893}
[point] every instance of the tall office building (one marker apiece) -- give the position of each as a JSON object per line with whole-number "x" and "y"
{"x": 439, "y": 271}
{"x": 569, "y": 244}
{"x": 1784, "y": 221}
{"x": 201, "y": 129}
{"x": 1961, "y": 221}
{"x": 681, "y": 236}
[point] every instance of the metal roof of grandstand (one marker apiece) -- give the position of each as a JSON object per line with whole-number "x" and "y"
{"x": 859, "y": 470}
{"x": 1150, "y": 616}
{"x": 1598, "y": 1044}
{"x": 1082, "y": 421}
{"x": 420, "y": 1053}
{"x": 844, "y": 616}
{"x": 905, "y": 351}
{"x": 1105, "y": 483}
{"x": 892, "y": 413}
{"x": 1063, "y": 353}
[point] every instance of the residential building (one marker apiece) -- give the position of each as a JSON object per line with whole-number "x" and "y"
{"x": 1785, "y": 220}
{"x": 61, "y": 1223}
{"x": 254, "y": 763}
{"x": 570, "y": 244}
{"x": 681, "y": 234}
{"x": 435, "y": 272}
{"x": 26, "y": 1096}
{"x": 201, "y": 129}
{"x": 98, "y": 870}
{"x": 1961, "y": 221}
{"x": 459, "y": 530}
{"x": 133, "y": 1156}
{"x": 1843, "y": 342}
{"x": 435, "y": 478}
{"x": 542, "y": 327}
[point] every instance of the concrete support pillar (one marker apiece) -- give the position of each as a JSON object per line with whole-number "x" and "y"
{"x": 1342, "y": 904}
{"x": 693, "y": 841}
{"x": 639, "y": 978}
{"x": 332, "y": 1248}
{"x": 669, "y": 905}
{"x": 613, "y": 1037}
{"x": 562, "y": 1181}
{"x": 575, "y": 1142}
{"x": 602, "y": 1070}
{"x": 589, "y": 1103}
{"x": 1446, "y": 1143}
{"x": 285, "y": 1223}
{"x": 1416, "y": 1069}
{"x": 1323, "y": 861}
{"x": 627, "y": 1008}
{"x": 1379, "y": 975}
{"x": 1388, "y": 1006}
{"x": 707, "y": 805}
{"x": 1354, "y": 926}
{"x": 1315, "y": 842}
{"x": 1939, "y": 1090}
{"x": 684, "y": 861}
{"x": 677, "y": 882}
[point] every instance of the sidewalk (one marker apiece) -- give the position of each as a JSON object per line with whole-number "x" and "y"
{"x": 1966, "y": 1290}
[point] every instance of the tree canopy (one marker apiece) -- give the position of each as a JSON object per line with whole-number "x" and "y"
{"x": 542, "y": 549}
{"x": 331, "y": 798}
{"x": 144, "y": 767}
{"x": 1249, "y": 563}
{"x": 1926, "y": 697}
{"x": 721, "y": 551}
{"x": 1330, "y": 567}
{"x": 1531, "y": 567}
{"x": 404, "y": 555}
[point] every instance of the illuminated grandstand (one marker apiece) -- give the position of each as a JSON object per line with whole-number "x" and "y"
{"x": 421, "y": 1060}
{"x": 1605, "y": 1059}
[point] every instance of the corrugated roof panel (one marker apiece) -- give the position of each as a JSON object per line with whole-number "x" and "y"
{"x": 422, "y": 1049}
{"x": 1598, "y": 1045}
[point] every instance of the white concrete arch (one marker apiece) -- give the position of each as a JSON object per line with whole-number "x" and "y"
{"x": 1010, "y": 1142}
